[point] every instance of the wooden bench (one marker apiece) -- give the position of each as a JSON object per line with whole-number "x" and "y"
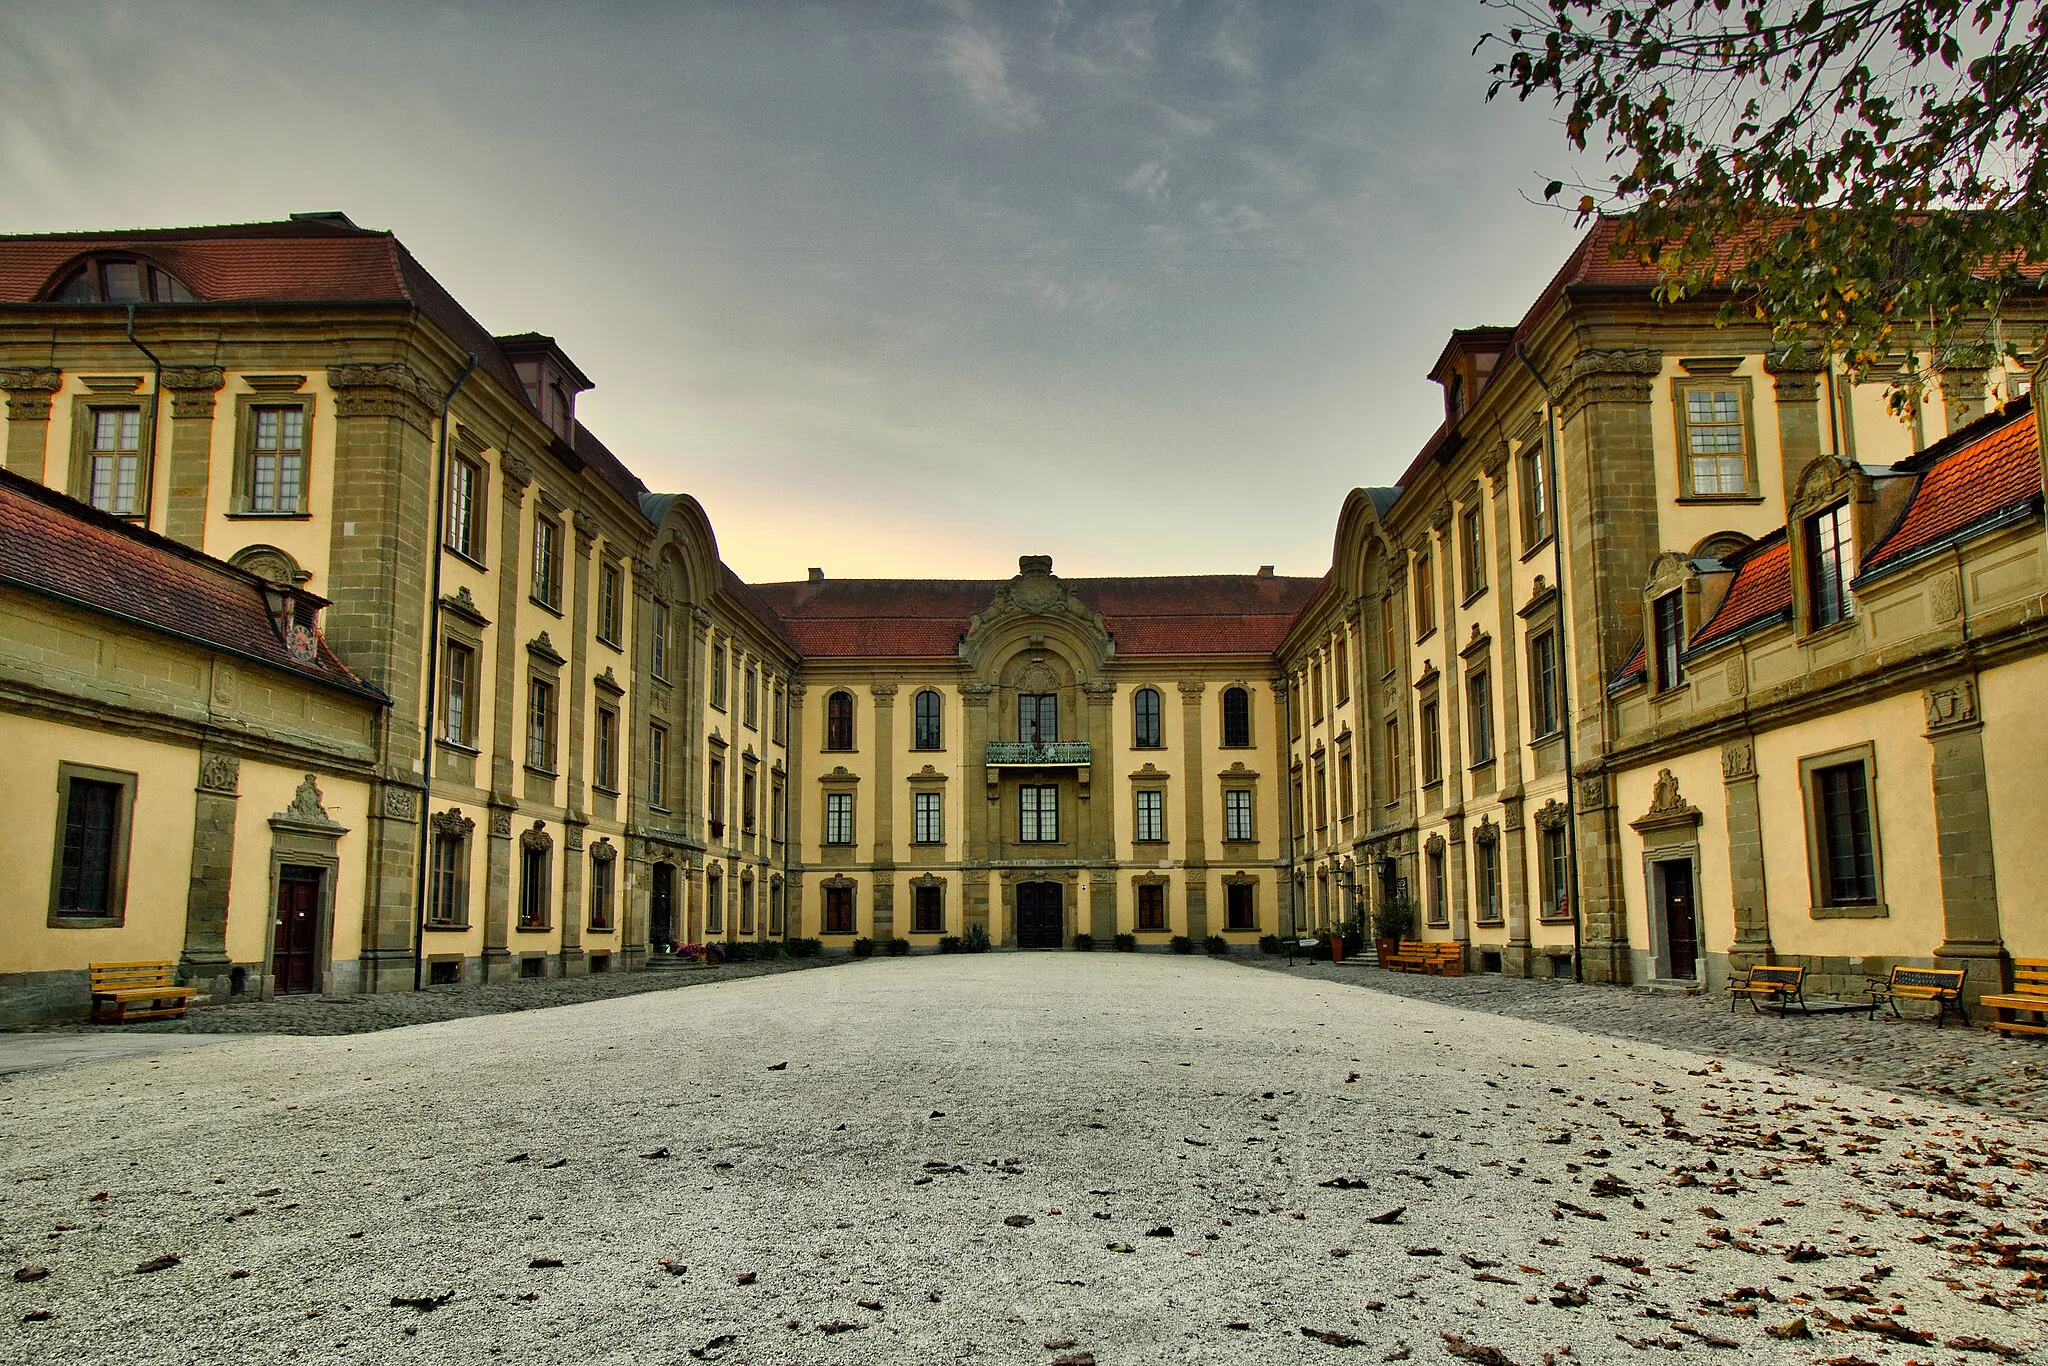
{"x": 2029, "y": 996}
{"x": 1785, "y": 985}
{"x": 119, "y": 987}
{"x": 1435, "y": 959}
{"x": 1941, "y": 985}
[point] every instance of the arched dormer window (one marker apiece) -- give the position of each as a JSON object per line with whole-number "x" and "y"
{"x": 1237, "y": 717}
{"x": 839, "y": 721}
{"x": 1145, "y": 721}
{"x": 121, "y": 280}
{"x": 930, "y": 711}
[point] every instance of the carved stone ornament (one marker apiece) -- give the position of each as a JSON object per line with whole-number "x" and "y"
{"x": 401, "y": 804}
{"x": 1035, "y": 592}
{"x": 1738, "y": 678}
{"x": 224, "y": 685}
{"x": 192, "y": 390}
{"x": 588, "y": 528}
{"x": 28, "y": 392}
{"x": 1738, "y": 761}
{"x": 517, "y": 471}
{"x": 1617, "y": 376}
{"x": 387, "y": 390}
{"x": 602, "y": 851}
{"x": 307, "y": 814}
{"x": 607, "y": 682}
{"x": 885, "y": 693}
{"x": 971, "y": 694}
{"x": 572, "y": 837}
{"x": 1951, "y": 705}
{"x": 452, "y": 822}
{"x": 270, "y": 564}
{"x": 220, "y": 772}
{"x": 463, "y": 605}
{"x": 1192, "y": 688}
{"x": 1944, "y": 599}
{"x": 501, "y": 824}
{"x": 544, "y": 648}
{"x": 1486, "y": 832}
{"x": 1552, "y": 815}
{"x": 1434, "y": 844}
{"x": 1098, "y": 691}
{"x": 1667, "y": 807}
{"x": 1592, "y": 793}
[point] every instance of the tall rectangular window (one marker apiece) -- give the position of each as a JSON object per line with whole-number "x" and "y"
{"x": 1543, "y": 699}
{"x": 605, "y": 747}
{"x": 839, "y": 721}
{"x": 1479, "y": 718}
{"x": 1340, "y": 670}
{"x": 448, "y": 902}
{"x": 540, "y": 725}
{"x": 1038, "y": 814}
{"x": 930, "y": 824}
{"x": 114, "y": 461}
{"x": 536, "y": 895}
{"x": 92, "y": 873}
{"x": 778, "y": 813}
{"x": 1390, "y": 635}
{"x": 1146, "y": 732}
{"x": 609, "y": 608}
{"x": 714, "y": 903}
{"x": 1315, "y": 689}
{"x": 715, "y": 794}
{"x": 277, "y": 459}
{"x": 1322, "y": 795}
{"x": 1486, "y": 880}
{"x": 1425, "y": 595}
{"x": 839, "y": 818}
{"x": 1151, "y": 906}
{"x": 748, "y": 890}
{"x": 718, "y": 675}
{"x": 1242, "y": 911}
{"x": 1554, "y": 856}
{"x": 1150, "y": 814}
{"x": 781, "y": 713}
{"x": 1830, "y": 564}
{"x": 1237, "y": 815}
{"x": 547, "y": 562}
{"x": 929, "y": 710}
{"x": 752, "y": 713}
{"x": 658, "y": 642}
{"x": 1344, "y": 779}
{"x": 1472, "y": 537}
{"x": 839, "y": 910}
{"x": 1237, "y": 718}
{"x": 458, "y": 680}
{"x": 927, "y": 910}
{"x": 1391, "y": 743}
{"x": 464, "y": 532}
{"x": 1432, "y": 746}
{"x": 1536, "y": 523}
{"x": 657, "y": 763}
{"x": 602, "y": 871}
{"x": 1848, "y": 848}
{"x": 750, "y": 786}
{"x": 1038, "y": 718}
{"x": 1668, "y": 626}
{"x": 1714, "y": 436}
{"x": 1437, "y": 906}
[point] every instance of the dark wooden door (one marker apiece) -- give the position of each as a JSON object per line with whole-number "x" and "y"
{"x": 661, "y": 913}
{"x": 294, "y": 958}
{"x": 1681, "y": 923}
{"x": 1040, "y": 924}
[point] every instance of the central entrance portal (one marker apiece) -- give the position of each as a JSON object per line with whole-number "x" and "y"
{"x": 1681, "y": 927}
{"x": 1040, "y": 923}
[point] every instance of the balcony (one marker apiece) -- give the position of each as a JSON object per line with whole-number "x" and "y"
{"x": 1024, "y": 754}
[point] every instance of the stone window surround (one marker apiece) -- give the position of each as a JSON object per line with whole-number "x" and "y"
{"x": 1155, "y": 783}
{"x": 113, "y": 391}
{"x": 1165, "y": 886}
{"x": 1540, "y": 616}
{"x": 1240, "y": 879}
{"x": 1866, "y": 753}
{"x": 1436, "y": 881}
{"x": 938, "y": 720}
{"x": 1532, "y": 469}
{"x": 1159, "y": 693}
{"x": 458, "y": 633}
{"x": 477, "y": 548}
{"x": 847, "y": 885}
{"x": 657, "y": 768}
{"x": 536, "y": 839}
{"x": 1473, "y": 580}
{"x": 603, "y": 854}
{"x": 609, "y": 632}
{"x": 124, "y": 828}
{"x": 852, "y": 745}
{"x": 304, "y": 836}
{"x": 1487, "y": 889}
{"x": 550, "y": 510}
{"x": 1478, "y": 657}
{"x": 1238, "y": 778}
{"x": 453, "y": 826}
{"x": 282, "y": 391}
{"x": 1251, "y": 729}
{"x": 1429, "y": 756}
{"x": 1552, "y": 817}
{"x": 928, "y": 881}
{"x": 540, "y": 670}
{"x": 1714, "y": 373}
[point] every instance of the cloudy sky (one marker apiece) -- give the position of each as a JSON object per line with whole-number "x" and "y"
{"x": 893, "y": 288}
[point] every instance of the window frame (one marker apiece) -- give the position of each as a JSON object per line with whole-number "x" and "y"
{"x": 928, "y": 816}
{"x": 1553, "y": 857}
{"x": 1472, "y": 551}
{"x": 1539, "y": 510}
{"x": 543, "y": 731}
{"x": 464, "y": 687}
{"x": 604, "y": 749}
{"x": 1148, "y": 815}
{"x": 1424, "y": 574}
{"x": 657, "y": 641}
{"x": 1235, "y": 695}
{"x": 718, "y": 678}
{"x": 846, "y": 909}
{"x": 85, "y": 450}
{"x": 119, "y": 844}
{"x": 1157, "y": 911}
{"x": 928, "y": 720}
{"x": 1826, "y": 609}
{"x": 1667, "y": 637}
{"x": 1546, "y": 715}
{"x": 603, "y": 892}
{"x": 750, "y": 796}
{"x": 714, "y": 791}
{"x": 248, "y": 410}
{"x": 1479, "y": 738}
{"x": 1148, "y": 723}
{"x": 1825, "y": 902}
{"x": 1488, "y": 907}
{"x": 1036, "y": 823}
{"x": 1340, "y": 668}
{"x": 840, "y": 732}
{"x": 838, "y": 812}
{"x": 1436, "y": 887}
{"x": 472, "y": 542}
{"x": 657, "y": 765}
{"x": 610, "y": 602}
{"x": 1240, "y": 816}
{"x": 448, "y": 883}
{"x": 1246, "y": 892}
{"x": 750, "y": 705}
{"x": 922, "y": 893}
{"x": 532, "y": 889}
{"x": 1684, "y": 426}
{"x": 1042, "y": 708}
{"x": 1429, "y": 720}
{"x": 545, "y": 564}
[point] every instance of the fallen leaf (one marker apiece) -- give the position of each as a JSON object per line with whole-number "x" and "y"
{"x": 710, "y": 1350}
{"x": 1788, "y": 1330}
{"x": 1392, "y": 1216}
{"x": 747, "y": 1278}
{"x": 423, "y": 1303}
{"x": 163, "y": 1263}
{"x": 1476, "y": 1351}
{"x": 1020, "y": 1221}
{"x": 39, "y": 1316}
{"x": 30, "y": 1273}
{"x": 1330, "y": 1338}
{"x": 778, "y": 1067}
{"x": 542, "y": 1263}
{"x": 657, "y": 1153}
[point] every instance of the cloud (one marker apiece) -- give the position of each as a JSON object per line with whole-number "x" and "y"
{"x": 976, "y": 62}
{"x": 1148, "y": 180}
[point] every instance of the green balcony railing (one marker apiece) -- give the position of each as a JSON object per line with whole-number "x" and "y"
{"x": 1025, "y": 754}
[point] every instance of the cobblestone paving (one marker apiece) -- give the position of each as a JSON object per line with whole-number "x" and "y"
{"x": 365, "y": 1014}
{"x": 1970, "y": 1066}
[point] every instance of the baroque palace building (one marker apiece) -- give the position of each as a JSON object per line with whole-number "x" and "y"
{"x": 337, "y": 655}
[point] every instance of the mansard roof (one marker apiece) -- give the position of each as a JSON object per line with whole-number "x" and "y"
{"x": 1761, "y": 594}
{"x": 59, "y": 548}
{"x": 1973, "y": 479}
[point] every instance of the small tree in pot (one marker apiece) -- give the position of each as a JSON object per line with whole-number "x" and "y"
{"x": 1392, "y": 922}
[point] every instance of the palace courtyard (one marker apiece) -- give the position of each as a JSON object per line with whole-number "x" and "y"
{"x": 1013, "y": 1158}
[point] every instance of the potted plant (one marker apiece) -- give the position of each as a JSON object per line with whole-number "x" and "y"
{"x": 1392, "y": 922}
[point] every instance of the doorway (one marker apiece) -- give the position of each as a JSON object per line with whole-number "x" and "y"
{"x": 1040, "y": 921}
{"x": 661, "y": 916}
{"x": 295, "y": 951}
{"x": 1681, "y": 919}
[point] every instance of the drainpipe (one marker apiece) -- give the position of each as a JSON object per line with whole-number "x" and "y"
{"x": 1564, "y": 672}
{"x": 436, "y": 533}
{"x": 156, "y": 392}
{"x": 788, "y": 797}
{"x": 1287, "y": 825}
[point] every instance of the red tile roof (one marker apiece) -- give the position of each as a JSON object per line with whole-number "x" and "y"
{"x": 925, "y": 618}
{"x": 59, "y": 548}
{"x": 1987, "y": 469}
{"x": 1761, "y": 593}
{"x": 1635, "y": 671}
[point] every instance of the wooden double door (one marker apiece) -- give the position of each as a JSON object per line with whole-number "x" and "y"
{"x": 1041, "y": 916}
{"x": 295, "y": 946}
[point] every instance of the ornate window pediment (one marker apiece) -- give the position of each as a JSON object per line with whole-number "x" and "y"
{"x": 1668, "y": 809}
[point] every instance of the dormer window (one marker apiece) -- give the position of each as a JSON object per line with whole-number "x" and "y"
{"x": 122, "y": 280}
{"x": 550, "y": 379}
{"x": 1454, "y": 397}
{"x": 1830, "y": 564}
{"x": 1667, "y": 621}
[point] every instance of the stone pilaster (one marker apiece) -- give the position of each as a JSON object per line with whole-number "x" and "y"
{"x": 203, "y": 961}
{"x": 1972, "y": 936}
{"x": 192, "y": 390}
{"x": 1098, "y": 827}
{"x": 636, "y": 761}
{"x": 496, "y": 961}
{"x": 28, "y": 418}
{"x": 1603, "y": 914}
{"x": 574, "y": 913}
{"x": 1796, "y": 374}
{"x": 978, "y": 805}
{"x": 884, "y": 862}
{"x": 695, "y": 793}
{"x": 1746, "y": 887}
{"x": 514, "y": 477}
{"x": 1195, "y": 861}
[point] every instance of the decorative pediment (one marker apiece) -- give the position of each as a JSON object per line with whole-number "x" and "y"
{"x": 1030, "y": 603}
{"x": 1552, "y": 815}
{"x": 537, "y": 838}
{"x": 452, "y": 822}
{"x": 603, "y": 851}
{"x": 1435, "y": 844}
{"x": 306, "y": 814}
{"x": 607, "y": 682}
{"x": 1486, "y": 832}
{"x": 1667, "y": 807}
{"x": 540, "y": 647}
{"x": 1150, "y": 772}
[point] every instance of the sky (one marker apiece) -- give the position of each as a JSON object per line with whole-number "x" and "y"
{"x": 894, "y": 289}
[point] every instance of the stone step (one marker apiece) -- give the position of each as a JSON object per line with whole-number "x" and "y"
{"x": 1670, "y": 986}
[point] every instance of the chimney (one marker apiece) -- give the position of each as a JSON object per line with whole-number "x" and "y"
{"x": 817, "y": 574}
{"x": 1265, "y": 571}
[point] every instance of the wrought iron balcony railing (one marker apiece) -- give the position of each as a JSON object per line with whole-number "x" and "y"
{"x": 1024, "y": 754}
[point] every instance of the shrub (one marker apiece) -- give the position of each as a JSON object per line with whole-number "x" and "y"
{"x": 1395, "y": 918}
{"x": 1269, "y": 943}
{"x": 898, "y": 947}
{"x": 863, "y": 947}
{"x": 1182, "y": 944}
{"x": 741, "y": 951}
{"x": 975, "y": 940}
{"x": 1217, "y": 945}
{"x": 772, "y": 949}
{"x": 1127, "y": 943}
{"x": 804, "y": 948}
{"x": 949, "y": 944}
{"x": 1084, "y": 942}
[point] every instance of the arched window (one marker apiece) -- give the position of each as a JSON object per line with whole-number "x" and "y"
{"x": 117, "y": 280}
{"x": 1145, "y": 731}
{"x": 930, "y": 733}
{"x": 839, "y": 721}
{"x": 1237, "y": 716}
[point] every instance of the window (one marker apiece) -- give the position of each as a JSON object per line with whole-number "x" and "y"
{"x": 1295, "y": 804}
{"x": 658, "y": 644}
{"x": 601, "y": 872}
{"x": 1425, "y": 595}
{"x": 1150, "y": 815}
{"x": 839, "y": 818}
{"x": 605, "y": 743}
{"x": 753, "y": 702}
{"x": 1038, "y": 718}
{"x": 930, "y": 823}
{"x": 839, "y": 721}
{"x": 122, "y": 282}
{"x": 929, "y": 712}
{"x": 1237, "y": 815}
{"x": 1555, "y": 873}
{"x": 1315, "y": 689}
{"x": 1536, "y": 525}
{"x": 746, "y": 905}
{"x": 749, "y": 791}
{"x": 1344, "y": 784}
{"x": 1237, "y": 717}
{"x": 1038, "y": 815}
{"x": 94, "y": 814}
{"x": 1478, "y": 719}
{"x": 458, "y": 678}
{"x": 781, "y": 716}
{"x": 1151, "y": 906}
{"x": 1438, "y": 908}
{"x": 839, "y": 910}
{"x": 1432, "y": 746}
{"x": 277, "y": 459}
{"x": 1340, "y": 670}
{"x": 114, "y": 475}
{"x": 775, "y": 916}
{"x": 547, "y": 562}
{"x": 1322, "y": 795}
{"x": 1393, "y": 753}
{"x": 657, "y": 759}
{"x": 1714, "y": 437}
{"x": 1668, "y": 626}
{"x": 1486, "y": 880}
{"x": 1846, "y": 856}
{"x": 714, "y": 903}
{"x": 608, "y": 605}
{"x": 540, "y": 725}
{"x": 778, "y": 829}
{"x": 536, "y": 896}
{"x": 1543, "y": 699}
{"x": 1242, "y": 912}
{"x": 718, "y": 676}
{"x": 1472, "y": 537}
{"x": 1830, "y": 564}
{"x": 927, "y": 910}
{"x": 1390, "y": 636}
{"x": 448, "y": 904}
{"x": 464, "y": 533}
{"x": 1145, "y": 719}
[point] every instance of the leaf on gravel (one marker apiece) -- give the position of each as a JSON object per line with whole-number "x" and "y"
{"x": 1331, "y": 1338}
{"x": 423, "y": 1303}
{"x": 1565, "y": 1207}
{"x": 778, "y": 1067}
{"x": 1491, "y": 1278}
{"x": 875, "y": 1305}
{"x": 1788, "y": 1330}
{"x": 163, "y": 1263}
{"x": 747, "y": 1278}
{"x": 1239, "y": 1325}
{"x": 657, "y": 1153}
{"x": 519, "y": 1157}
{"x": 1711, "y": 1339}
{"x": 1346, "y": 1183}
{"x": 1476, "y": 1351}
{"x": 39, "y": 1316}
{"x": 1075, "y": 1359}
{"x": 1020, "y": 1221}
{"x": 672, "y": 1268}
{"x": 1119, "y": 1247}
{"x": 1400, "y": 1353}
{"x": 1610, "y": 1186}
{"x": 710, "y": 1350}
{"x": 1425, "y": 1252}
{"x": 1392, "y": 1216}
{"x": 542, "y": 1263}
{"x": 266, "y": 1194}
{"x": 1805, "y": 1252}
{"x": 836, "y": 1327}
{"x": 557, "y": 1163}
{"x": 1997, "y": 1349}
{"x": 1163, "y": 1231}
{"x": 1476, "y": 1263}
{"x": 30, "y": 1273}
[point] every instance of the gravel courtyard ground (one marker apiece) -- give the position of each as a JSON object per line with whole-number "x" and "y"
{"x": 1028, "y": 1158}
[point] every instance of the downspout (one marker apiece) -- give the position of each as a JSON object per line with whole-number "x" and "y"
{"x": 788, "y": 797}
{"x": 156, "y": 393}
{"x": 1564, "y": 668}
{"x": 1287, "y": 824}
{"x": 437, "y": 533}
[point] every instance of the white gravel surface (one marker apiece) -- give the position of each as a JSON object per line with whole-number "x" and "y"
{"x": 975, "y": 1159}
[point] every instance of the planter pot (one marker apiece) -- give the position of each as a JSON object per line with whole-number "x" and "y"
{"x": 1386, "y": 948}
